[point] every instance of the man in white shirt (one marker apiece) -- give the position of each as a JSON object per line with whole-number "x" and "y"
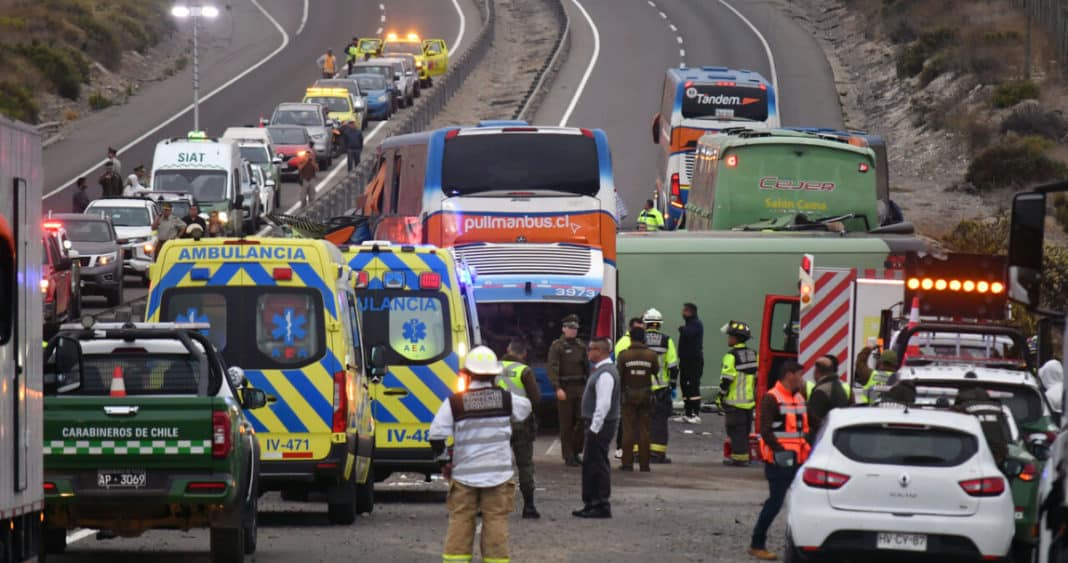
{"x": 479, "y": 420}
{"x": 600, "y": 409}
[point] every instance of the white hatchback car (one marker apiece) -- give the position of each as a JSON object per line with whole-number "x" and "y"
{"x": 894, "y": 482}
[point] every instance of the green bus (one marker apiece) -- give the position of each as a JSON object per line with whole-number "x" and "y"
{"x": 781, "y": 179}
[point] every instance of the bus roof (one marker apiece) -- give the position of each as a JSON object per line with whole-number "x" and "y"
{"x": 717, "y": 74}
{"x": 488, "y": 128}
{"x": 737, "y": 137}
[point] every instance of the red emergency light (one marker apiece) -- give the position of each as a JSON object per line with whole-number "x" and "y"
{"x": 731, "y": 160}
{"x": 52, "y": 225}
{"x": 283, "y": 274}
{"x": 430, "y": 280}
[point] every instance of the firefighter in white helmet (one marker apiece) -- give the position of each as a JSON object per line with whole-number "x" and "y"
{"x": 664, "y": 382}
{"x": 479, "y": 464}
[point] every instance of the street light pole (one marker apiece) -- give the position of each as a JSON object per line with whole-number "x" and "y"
{"x": 195, "y": 12}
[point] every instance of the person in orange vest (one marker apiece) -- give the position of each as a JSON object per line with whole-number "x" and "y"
{"x": 327, "y": 64}
{"x": 784, "y": 446}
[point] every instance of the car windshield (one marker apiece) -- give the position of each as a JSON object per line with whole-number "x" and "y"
{"x": 204, "y": 185}
{"x": 88, "y": 231}
{"x": 384, "y": 71}
{"x": 256, "y": 154}
{"x": 411, "y": 48}
{"x": 1022, "y": 400}
{"x": 332, "y": 103}
{"x": 905, "y": 444}
{"x": 288, "y": 136}
{"x": 971, "y": 348}
{"x": 122, "y": 216}
{"x": 304, "y": 117}
{"x": 371, "y": 82}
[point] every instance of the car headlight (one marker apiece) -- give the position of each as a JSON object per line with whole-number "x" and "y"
{"x": 383, "y": 98}
{"x": 149, "y": 247}
{"x": 106, "y": 259}
{"x": 224, "y": 216}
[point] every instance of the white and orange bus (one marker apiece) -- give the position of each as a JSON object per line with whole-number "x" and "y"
{"x": 694, "y": 102}
{"x": 530, "y": 209}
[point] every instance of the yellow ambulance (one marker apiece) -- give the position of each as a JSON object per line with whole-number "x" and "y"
{"x": 419, "y": 321}
{"x": 284, "y": 311}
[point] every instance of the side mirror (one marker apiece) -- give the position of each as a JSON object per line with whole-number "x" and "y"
{"x": 408, "y": 73}
{"x": 264, "y": 122}
{"x": 239, "y": 200}
{"x": 1026, "y": 237}
{"x": 378, "y": 362}
{"x": 396, "y": 76}
{"x": 252, "y": 398}
{"x": 656, "y": 129}
{"x": 1012, "y": 468}
{"x": 63, "y": 368}
{"x": 276, "y": 160}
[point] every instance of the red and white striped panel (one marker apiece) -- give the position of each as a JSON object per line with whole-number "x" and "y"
{"x": 825, "y": 325}
{"x": 880, "y": 274}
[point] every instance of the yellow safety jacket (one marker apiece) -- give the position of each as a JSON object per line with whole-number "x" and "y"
{"x": 739, "y": 368}
{"x": 653, "y": 219}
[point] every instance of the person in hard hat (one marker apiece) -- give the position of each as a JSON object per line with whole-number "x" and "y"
{"x": 569, "y": 367}
{"x": 664, "y": 382}
{"x": 866, "y": 379}
{"x": 650, "y": 218}
{"x": 737, "y": 390}
{"x": 479, "y": 463}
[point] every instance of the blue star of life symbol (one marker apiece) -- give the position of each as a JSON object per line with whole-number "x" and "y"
{"x": 288, "y": 326}
{"x": 414, "y": 330}
{"x": 192, "y": 315}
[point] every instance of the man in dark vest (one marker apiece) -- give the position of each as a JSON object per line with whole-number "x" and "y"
{"x": 479, "y": 464}
{"x": 600, "y": 411}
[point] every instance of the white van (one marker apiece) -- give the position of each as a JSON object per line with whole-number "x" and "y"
{"x": 210, "y": 170}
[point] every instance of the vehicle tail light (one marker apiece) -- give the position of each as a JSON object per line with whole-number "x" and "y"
{"x": 676, "y": 186}
{"x": 984, "y": 487}
{"x": 731, "y": 160}
{"x": 604, "y": 319}
{"x": 1028, "y": 473}
{"x": 52, "y": 225}
{"x": 461, "y": 383}
{"x": 49, "y": 487}
{"x": 44, "y": 286}
{"x": 221, "y": 442}
{"x": 586, "y": 133}
{"x": 863, "y": 167}
{"x": 823, "y": 479}
{"x": 452, "y": 133}
{"x": 205, "y": 487}
{"x": 341, "y": 402}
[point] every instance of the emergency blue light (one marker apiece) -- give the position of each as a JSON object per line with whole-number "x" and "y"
{"x": 393, "y": 280}
{"x": 200, "y": 274}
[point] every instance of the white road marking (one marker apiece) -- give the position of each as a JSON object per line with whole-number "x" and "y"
{"x": 679, "y": 39}
{"x": 379, "y": 32}
{"x": 303, "y": 18}
{"x": 208, "y": 96}
{"x": 682, "y": 64}
{"x": 79, "y": 535}
{"x": 767, "y": 49}
{"x": 383, "y": 17}
{"x": 682, "y": 52}
{"x": 463, "y": 25}
{"x": 673, "y": 28}
{"x": 663, "y": 16}
{"x": 382, "y": 7}
{"x": 553, "y": 447}
{"x": 651, "y": 3}
{"x": 589, "y": 68}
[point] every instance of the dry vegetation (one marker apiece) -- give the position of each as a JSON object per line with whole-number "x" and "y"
{"x": 50, "y": 46}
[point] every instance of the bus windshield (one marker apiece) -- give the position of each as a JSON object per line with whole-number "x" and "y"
{"x": 205, "y": 185}
{"x": 728, "y": 103}
{"x": 520, "y": 163}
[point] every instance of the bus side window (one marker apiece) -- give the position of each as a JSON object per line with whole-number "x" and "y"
{"x": 395, "y": 182}
{"x": 410, "y": 200}
{"x": 667, "y": 101}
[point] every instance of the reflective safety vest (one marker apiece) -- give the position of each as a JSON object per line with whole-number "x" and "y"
{"x": 329, "y": 62}
{"x": 350, "y": 53}
{"x": 652, "y": 219}
{"x": 810, "y": 385}
{"x": 741, "y": 369}
{"x": 482, "y": 433}
{"x": 787, "y": 431}
{"x": 877, "y": 378}
{"x": 511, "y": 379}
{"x": 666, "y": 354}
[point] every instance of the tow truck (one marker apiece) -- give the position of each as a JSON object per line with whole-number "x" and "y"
{"x": 431, "y": 55}
{"x": 949, "y": 338}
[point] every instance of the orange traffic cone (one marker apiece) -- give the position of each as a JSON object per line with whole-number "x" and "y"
{"x": 118, "y": 383}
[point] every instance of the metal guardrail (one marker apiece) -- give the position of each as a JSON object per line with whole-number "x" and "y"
{"x": 1053, "y": 14}
{"x": 548, "y": 71}
{"x": 340, "y": 198}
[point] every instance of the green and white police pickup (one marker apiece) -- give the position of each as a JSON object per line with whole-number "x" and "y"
{"x": 143, "y": 429}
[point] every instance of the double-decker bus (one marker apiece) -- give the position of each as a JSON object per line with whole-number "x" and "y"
{"x": 696, "y": 101}
{"x": 530, "y": 209}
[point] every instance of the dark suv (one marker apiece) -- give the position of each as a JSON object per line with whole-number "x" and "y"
{"x": 99, "y": 254}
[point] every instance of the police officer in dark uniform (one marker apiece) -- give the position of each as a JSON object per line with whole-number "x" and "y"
{"x": 637, "y": 364}
{"x": 974, "y": 400}
{"x": 569, "y": 367}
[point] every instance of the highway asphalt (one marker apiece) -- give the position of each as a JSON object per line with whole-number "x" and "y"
{"x": 635, "y": 41}
{"x": 306, "y": 28}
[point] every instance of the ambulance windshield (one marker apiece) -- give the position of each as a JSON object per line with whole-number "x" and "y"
{"x": 412, "y": 325}
{"x": 204, "y": 185}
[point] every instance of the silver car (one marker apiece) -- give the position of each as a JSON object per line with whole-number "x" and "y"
{"x": 313, "y": 118}
{"x": 405, "y": 78}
